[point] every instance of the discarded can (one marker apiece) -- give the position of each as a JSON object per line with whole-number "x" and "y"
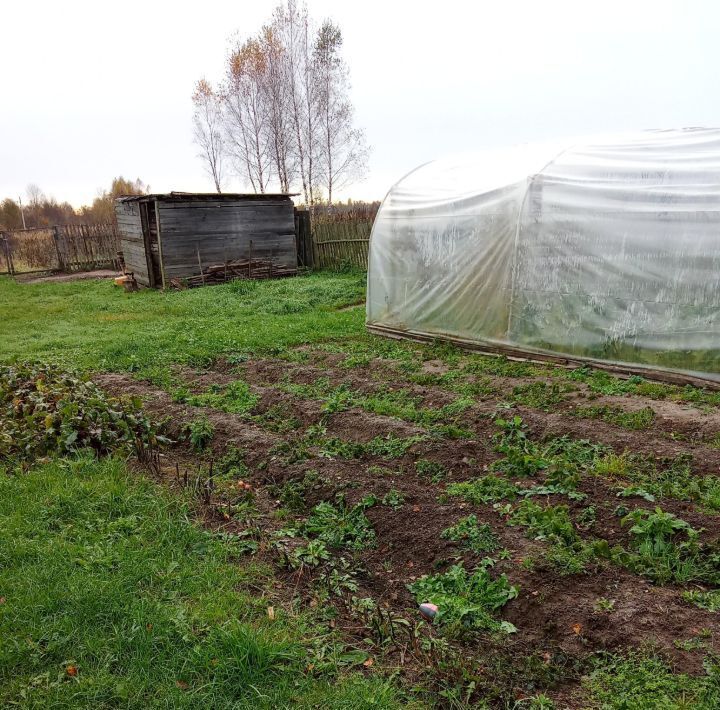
{"x": 428, "y": 610}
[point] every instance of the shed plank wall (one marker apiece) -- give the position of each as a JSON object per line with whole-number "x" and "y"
{"x": 131, "y": 240}
{"x": 222, "y": 231}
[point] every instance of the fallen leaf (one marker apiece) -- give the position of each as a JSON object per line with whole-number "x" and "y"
{"x": 368, "y": 663}
{"x": 271, "y": 612}
{"x": 72, "y": 671}
{"x": 2, "y": 600}
{"x": 577, "y": 628}
{"x": 181, "y": 684}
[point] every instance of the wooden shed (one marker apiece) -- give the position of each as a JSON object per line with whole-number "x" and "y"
{"x": 187, "y": 238}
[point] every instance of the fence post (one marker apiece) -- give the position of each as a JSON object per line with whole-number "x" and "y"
{"x": 8, "y": 254}
{"x": 56, "y": 239}
{"x": 5, "y": 250}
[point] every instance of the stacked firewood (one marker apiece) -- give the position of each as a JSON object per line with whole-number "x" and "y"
{"x": 241, "y": 269}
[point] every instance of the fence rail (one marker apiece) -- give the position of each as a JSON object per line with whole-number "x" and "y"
{"x": 76, "y": 247}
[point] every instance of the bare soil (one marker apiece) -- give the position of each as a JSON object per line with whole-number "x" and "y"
{"x": 558, "y": 617}
{"x": 61, "y": 278}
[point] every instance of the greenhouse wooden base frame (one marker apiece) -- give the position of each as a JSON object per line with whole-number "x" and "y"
{"x": 511, "y": 353}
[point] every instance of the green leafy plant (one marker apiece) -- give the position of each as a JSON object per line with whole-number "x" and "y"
{"x": 665, "y": 547}
{"x": 604, "y": 604}
{"x": 562, "y": 478}
{"x": 235, "y": 398}
{"x": 200, "y": 432}
{"x": 387, "y": 447}
{"x": 550, "y": 522}
{"x": 394, "y": 499}
{"x": 46, "y": 410}
{"x": 540, "y": 395}
{"x": 486, "y": 489}
{"x": 311, "y": 555}
{"x": 709, "y": 600}
{"x": 231, "y": 465}
{"x": 431, "y": 469}
{"x": 473, "y": 536}
{"x": 340, "y": 526}
{"x": 467, "y": 600}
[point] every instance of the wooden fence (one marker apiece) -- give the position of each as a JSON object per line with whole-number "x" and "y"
{"x": 341, "y": 235}
{"x": 74, "y": 247}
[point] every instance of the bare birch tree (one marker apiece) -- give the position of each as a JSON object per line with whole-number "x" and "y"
{"x": 291, "y": 24}
{"x": 278, "y": 104}
{"x": 246, "y": 115}
{"x": 286, "y": 113}
{"x": 207, "y": 130}
{"x": 343, "y": 152}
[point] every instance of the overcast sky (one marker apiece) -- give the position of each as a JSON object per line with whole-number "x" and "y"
{"x": 92, "y": 90}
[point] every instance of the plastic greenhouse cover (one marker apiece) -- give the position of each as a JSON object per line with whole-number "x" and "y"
{"x": 603, "y": 248}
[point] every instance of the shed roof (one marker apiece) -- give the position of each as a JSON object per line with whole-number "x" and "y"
{"x": 206, "y": 196}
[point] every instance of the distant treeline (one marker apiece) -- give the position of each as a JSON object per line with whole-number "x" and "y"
{"x": 39, "y": 210}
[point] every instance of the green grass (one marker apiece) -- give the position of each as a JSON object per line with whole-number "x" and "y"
{"x": 650, "y": 478}
{"x": 96, "y": 325}
{"x": 604, "y": 383}
{"x": 397, "y": 403}
{"x": 640, "y": 419}
{"x": 103, "y": 573}
{"x": 235, "y": 398}
{"x": 540, "y": 395}
{"x": 643, "y": 681}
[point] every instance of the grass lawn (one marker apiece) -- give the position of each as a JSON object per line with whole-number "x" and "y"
{"x": 96, "y": 325}
{"x": 111, "y": 597}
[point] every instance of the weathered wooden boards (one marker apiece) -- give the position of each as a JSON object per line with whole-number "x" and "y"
{"x": 242, "y": 269}
{"x": 75, "y": 247}
{"x": 192, "y": 234}
{"x": 132, "y": 241}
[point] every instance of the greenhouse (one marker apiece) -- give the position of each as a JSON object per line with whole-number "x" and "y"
{"x": 604, "y": 249}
